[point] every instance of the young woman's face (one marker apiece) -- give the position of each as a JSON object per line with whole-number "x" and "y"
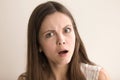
{"x": 57, "y": 38}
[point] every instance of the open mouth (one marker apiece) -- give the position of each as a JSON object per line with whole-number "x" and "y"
{"x": 63, "y": 52}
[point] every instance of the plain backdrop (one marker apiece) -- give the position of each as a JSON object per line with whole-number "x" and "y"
{"x": 98, "y": 22}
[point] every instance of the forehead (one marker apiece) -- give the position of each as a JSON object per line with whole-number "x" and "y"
{"x": 55, "y": 20}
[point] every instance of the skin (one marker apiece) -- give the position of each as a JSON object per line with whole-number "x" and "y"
{"x": 57, "y": 34}
{"x": 103, "y": 75}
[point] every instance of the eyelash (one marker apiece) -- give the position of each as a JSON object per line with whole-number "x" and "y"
{"x": 50, "y": 34}
{"x": 67, "y": 29}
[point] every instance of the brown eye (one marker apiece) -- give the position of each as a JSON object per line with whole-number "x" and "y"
{"x": 67, "y": 30}
{"x": 48, "y": 35}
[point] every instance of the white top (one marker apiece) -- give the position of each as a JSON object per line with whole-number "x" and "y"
{"x": 91, "y": 72}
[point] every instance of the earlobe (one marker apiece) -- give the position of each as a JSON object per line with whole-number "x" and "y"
{"x": 40, "y": 50}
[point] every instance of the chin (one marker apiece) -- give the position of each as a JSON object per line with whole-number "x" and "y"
{"x": 65, "y": 62}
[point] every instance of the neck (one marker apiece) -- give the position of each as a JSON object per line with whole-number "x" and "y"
{"x": 60, "y": 71}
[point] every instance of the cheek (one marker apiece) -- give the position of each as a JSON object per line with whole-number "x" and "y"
{"x": 71, "y": 39}
{"x": 71, "y": 42}
{"x": 46, "y": 45}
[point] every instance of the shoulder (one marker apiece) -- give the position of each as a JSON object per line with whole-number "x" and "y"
{"x": 23, "y": 76}
{"x": 88, "y": 68}
{"x": 94, "y": 72}
{"x": 91, "y": 72}
{"x": 103, "y": 75}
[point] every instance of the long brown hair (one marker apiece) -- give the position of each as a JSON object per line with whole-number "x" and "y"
{"x": 38, "y": 67}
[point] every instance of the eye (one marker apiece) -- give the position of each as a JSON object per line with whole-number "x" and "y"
{"x": 67, "y": 30}
{"x": 50, "y": 34}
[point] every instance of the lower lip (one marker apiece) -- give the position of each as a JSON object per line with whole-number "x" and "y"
{"x": 63, "y": 55}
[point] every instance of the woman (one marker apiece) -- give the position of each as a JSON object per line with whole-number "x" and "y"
{"x": 55, "y": 49}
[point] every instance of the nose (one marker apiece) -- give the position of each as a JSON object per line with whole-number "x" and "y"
{"x": 61, "y": 43}
{"x": 61, "y": 40}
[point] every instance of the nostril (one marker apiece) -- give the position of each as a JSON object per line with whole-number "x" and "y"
{"x": 63, "y": 42}
{"x": 59, "y": 43}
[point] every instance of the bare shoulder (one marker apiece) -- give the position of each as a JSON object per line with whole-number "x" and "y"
{"x": 103, "y": 75}
{"x": 22, "y": 77}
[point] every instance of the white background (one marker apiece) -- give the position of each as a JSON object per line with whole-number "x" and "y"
{"x": 98, "y": 22}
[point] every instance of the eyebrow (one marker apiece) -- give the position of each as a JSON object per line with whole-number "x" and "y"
{"x": 67, "y": 26}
